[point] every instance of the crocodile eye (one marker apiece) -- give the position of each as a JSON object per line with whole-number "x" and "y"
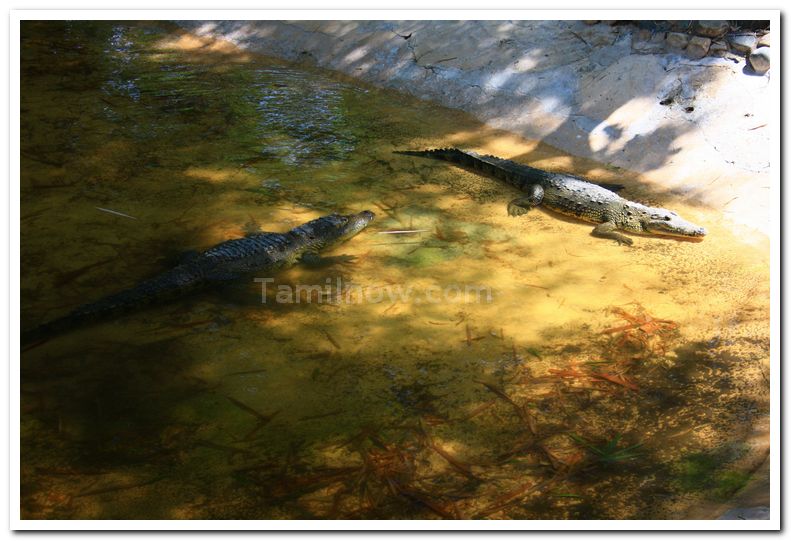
{"x": 668, "y": 218}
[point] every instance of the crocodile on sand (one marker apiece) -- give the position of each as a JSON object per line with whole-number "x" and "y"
{"x": 572, "y": 196}
{"x": 257, "y": 252}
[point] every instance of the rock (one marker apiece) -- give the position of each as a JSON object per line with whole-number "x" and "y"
{"x": 698, "y": 47}
{"x": 743, "y": 43}
{"x": 712, "y": 29}
{"x": 677, "y": 40}
{"x": 718, "y": 48}
{"x": 645, "y": 41}
{"x": 763, "y": 41}
{"x": 597, "y": 36}
{"x": 681, "y": 26}
{"x": 759, "y": 60}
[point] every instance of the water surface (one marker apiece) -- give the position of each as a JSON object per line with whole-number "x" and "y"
{"x": 588, "y": 380}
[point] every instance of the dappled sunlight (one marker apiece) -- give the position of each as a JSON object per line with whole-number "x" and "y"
{"x": 355, "y": 55}
{"x": 211, "y": 175}
{"x": 580, "y": 377}
{"x": 500, "y": 79}
{"x": 191, "y": 43}
{"x": 528, "y": 61}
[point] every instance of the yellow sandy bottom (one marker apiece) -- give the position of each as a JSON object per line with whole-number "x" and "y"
{"x": 586, "y": 380}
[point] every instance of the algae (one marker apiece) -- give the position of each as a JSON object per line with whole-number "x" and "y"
{"x": 391, "y": 407}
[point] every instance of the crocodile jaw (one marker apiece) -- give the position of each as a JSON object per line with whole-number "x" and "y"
{"x": 674, "y": 227}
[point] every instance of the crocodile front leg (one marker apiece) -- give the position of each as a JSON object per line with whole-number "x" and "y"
{"x": 520, "y": 205}
{"x": 314, "y": 260}
{"x": 608, "y": 230}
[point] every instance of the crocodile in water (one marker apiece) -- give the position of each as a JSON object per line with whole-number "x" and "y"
{"x": 572, "y": 196}
{"x": 258, "y": 252}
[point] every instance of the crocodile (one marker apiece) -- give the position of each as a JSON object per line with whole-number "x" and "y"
{"x": 572, "y": 196}
{"x": 256, "y": 252}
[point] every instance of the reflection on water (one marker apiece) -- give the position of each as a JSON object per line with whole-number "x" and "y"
{"x": 301, "y": 118}
{"x": 598, "y": 382}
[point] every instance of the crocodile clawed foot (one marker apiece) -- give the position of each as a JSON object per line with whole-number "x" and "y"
{"x": 317, "y": 262}
{"x": 607, "y": 230}
{"x": 515, "y": 209}
{"x": 624, "y": 240}
{"x": 346, "y": 262}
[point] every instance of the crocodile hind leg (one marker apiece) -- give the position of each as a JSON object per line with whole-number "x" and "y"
{"x": 520, "y": 205}
{"x": 608, "y": 230}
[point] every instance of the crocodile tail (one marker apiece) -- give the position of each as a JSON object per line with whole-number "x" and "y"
{"x": 513, "y": 173}
{"x": 164, "y": 286}
{"x": 448, "y": 154}
{"x": 464, "y": 158}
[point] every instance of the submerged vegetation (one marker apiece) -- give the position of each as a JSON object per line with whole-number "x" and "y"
{"x": 600, "y": 382}
{"x": 609, "y": 452}
{"x": 703, "y": 472}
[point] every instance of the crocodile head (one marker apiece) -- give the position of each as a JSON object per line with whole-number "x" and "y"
{"x": 666, "y": 222}
{"x": 333, "y": 229}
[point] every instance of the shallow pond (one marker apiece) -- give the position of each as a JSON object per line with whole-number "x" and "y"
{"x": 484, "y": 367}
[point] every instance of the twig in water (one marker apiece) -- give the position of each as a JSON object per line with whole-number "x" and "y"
{"x": 115, "y": 488}
{"x": 116, "y": 213}
{"x": 391, "y": 243}
{"x": 521, "y": 411}
{"x": 263, "y": 420}
{"x": 242, "y": 406}
{"x": 539, "y": 287}
{"x": 246, "y": 372}
{"x": 320, "y": 415}
{"x": 508, "y": 498}
{"x": 402, "y": 232}
{"x": 332, "y": 340}
{"x": 457, "y": 464}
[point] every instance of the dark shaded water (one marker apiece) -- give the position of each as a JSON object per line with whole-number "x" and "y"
{"x": 586, "y": 381}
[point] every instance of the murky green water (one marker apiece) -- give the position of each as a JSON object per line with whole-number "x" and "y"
{"x": 597, "y": 382}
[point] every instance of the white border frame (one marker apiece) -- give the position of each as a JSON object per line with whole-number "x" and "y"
{"x": 17, "y": 523}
